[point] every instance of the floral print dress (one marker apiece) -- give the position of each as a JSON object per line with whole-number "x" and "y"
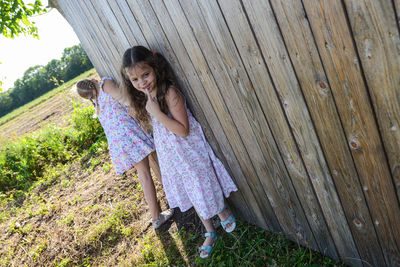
{"x": 127, "y": 142}
{"x": 191, "y": 173}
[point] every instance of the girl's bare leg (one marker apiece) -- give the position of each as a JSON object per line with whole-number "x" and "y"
{"x": 143, "y": 172}
{"x": 153, "y": 160}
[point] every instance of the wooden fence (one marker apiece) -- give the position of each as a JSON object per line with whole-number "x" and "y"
{"x": 299, "y": 98}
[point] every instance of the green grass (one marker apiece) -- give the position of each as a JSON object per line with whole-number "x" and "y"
{"x": 25, "y": 160}
{"x": 248, "y": 245}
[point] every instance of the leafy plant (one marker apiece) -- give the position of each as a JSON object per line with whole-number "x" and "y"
{"x": 25, "y": 160}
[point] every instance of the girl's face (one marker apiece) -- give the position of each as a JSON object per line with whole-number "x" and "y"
{"x": 143, "y": 78}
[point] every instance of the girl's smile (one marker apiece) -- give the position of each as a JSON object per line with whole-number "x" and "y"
{"x": 143, "y": 78}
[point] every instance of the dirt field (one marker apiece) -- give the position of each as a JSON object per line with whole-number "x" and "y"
{"x": 54, "y": 110}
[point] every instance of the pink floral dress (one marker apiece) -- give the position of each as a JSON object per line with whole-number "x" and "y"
{"x": 127, "y": 142}
{"x": 191, "y": 173}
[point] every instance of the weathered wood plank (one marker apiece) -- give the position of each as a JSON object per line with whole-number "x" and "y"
{"x": 188, "y": 69}
{"x": 91, "y": 43}
{"x": 397, "y": 10}
{"x": 99, "y": 35}
{"x": 261, "y": 89}
{"x": 309, "y": 70}
{"x": 243, "y": 87}
{"x": 277, "y": 60}
{"x": 202, "y": 71}
{"x": 155, "y": 33}
{"x": 78, "y": 31}
{"x": 376, "y": 34}
{"x": 84, "y": 36}
{"x": 265, "y": 158}
{"x": 134, "y": 29}
{"x": 109, "y": 27}
{"x": 123, "y": 21}
{"x": 116, "y": 32}
{"x": 335, "y": 44}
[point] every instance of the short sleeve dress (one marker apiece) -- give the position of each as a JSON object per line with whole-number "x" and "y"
{"x": 127, "y": 142}
{"x": 191, "y": 173}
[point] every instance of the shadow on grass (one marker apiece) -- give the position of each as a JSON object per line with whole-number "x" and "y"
{"x": 181, "y": 247}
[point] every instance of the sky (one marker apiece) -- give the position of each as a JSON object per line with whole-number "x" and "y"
{"x": 22, "y": 52}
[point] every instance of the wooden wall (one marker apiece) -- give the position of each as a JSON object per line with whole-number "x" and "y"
{"x": 300, "y": 99}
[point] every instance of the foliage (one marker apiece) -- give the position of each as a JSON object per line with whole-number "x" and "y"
{"x": 14, "y": 17}
{"x": 38, "y": 80}
{"x": 25, "y": 160}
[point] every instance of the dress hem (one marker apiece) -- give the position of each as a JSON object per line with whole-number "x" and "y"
{"x": 132, "y": 165}
{"x": 184, "y": 210}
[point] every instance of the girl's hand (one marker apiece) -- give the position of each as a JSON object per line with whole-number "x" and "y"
{"x": 152, "y": 105}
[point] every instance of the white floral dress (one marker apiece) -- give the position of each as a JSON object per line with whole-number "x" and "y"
{"x": 127, "y": 142}
{"x": 191, "y": 173}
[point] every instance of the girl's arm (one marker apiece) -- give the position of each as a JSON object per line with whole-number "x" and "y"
{"x": 111, "y": 88}
{"x": 179, "y": 123}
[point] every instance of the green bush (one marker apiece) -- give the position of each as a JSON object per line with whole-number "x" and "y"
{"x": 24, "y": 161}
{"x": 87, "y": 129}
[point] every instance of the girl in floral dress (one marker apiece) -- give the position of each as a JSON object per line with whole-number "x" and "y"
{"x": 192, "y": 175}
{"x": 128, "y": 144}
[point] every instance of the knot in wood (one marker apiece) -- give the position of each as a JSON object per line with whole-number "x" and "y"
{"x": 322, "y": 85}
{"x": 357, "y": 223}
{"x": 354, "y": 144}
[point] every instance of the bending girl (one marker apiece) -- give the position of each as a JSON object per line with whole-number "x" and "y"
{"x": 128, "y": 144}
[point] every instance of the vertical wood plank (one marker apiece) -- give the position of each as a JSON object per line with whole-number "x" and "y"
{"x": 309, "y": 70}
{"x": 212, "y": 94}
{"x": 397, "y": 10}
{"x": 282, "y": 74}
{"x": 66, "y": 14}
{"x": 246, "y": 90}
{"x": 116, "y": 32}
{"x": 335, "y": 44}
{"x": 131, "y": 21}
{"x": 100, "y": 36}
{"x": 260, "y": 88}
{"x": 188, "y": 68}
{"x": 271, "y": 171}
{"x": 109, "y": 29}
{"x": 84, "y": 36}
{"x": 123, "y": 22}
{"x": 376, "y": 34}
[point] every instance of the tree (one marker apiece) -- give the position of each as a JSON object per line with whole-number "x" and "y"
{"x": 75, "y": 61}
{"x": 38, "y": 79}
{"x": 15, "y": 17}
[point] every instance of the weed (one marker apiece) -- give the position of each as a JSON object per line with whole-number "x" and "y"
{"x": 63, "y": 263}
{"x": 107, "y": 167}
{"x": 25, "y": 160}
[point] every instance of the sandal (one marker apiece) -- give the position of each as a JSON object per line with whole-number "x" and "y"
{"x": 208, "y": 249}
{"x": 230, "y": 220}
{"x": 162, "y": 218}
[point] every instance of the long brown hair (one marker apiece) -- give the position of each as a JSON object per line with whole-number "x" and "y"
{"x": 165, "y": 78}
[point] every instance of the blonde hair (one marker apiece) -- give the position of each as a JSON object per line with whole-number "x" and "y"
{"x": 87, "y": 89}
